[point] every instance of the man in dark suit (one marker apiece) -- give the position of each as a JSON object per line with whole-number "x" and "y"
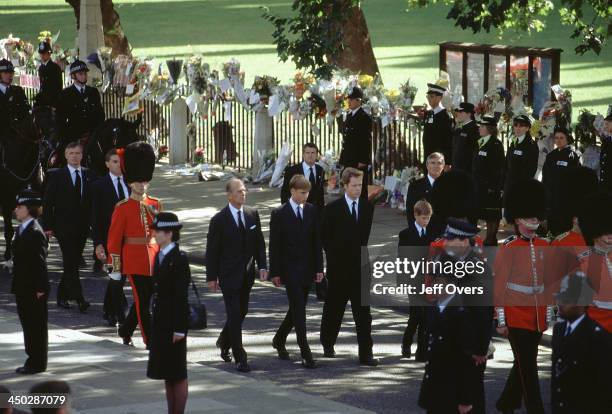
{"x": 67, "y": 216}
{"x": 357, "y": 138}
{"x": 107, "y": 191}
{"x": 316, "y": 196}
{"x": 79, "y": 107}
{"x": 438, "y": 129}
{"x": 346, "y": 227}
{"x": 419, "y": 189}
{"x": 234, "y": 244}
{"x": 50, "y": 75}
{"x": 313, "y": 173}
{"x": 30, "y": 281}
{"x": 413, "y": 245}
{"x": 296, "y": 259}
{"x": 581, "y": 357}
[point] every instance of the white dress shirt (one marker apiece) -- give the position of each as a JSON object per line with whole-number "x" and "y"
{"x": 438, "y": 108}
{"x": 442, "y": 304}
{"x": 3, "y": 87}
{"x": 349, "y": 202}
{"x": 80, "y": 89}
{"x": 234, "y": 212}
{"x": 307, "y": 168}
{"x": 572, "y": 326}
{"x": 24, "y": 224}
{"x": 419, "y": 228}
{"x": 295, "y": 207}
{"x": 115, "y": 184}
{"x": 431, "y": 180}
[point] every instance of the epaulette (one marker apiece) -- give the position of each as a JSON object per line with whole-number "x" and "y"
{"x": 125, "y": 200}
{"x": 510, "y": 239}
{"x": 159, "y": 203}
{"x": 561, "y": 236}
{"x": 585, "y": 253}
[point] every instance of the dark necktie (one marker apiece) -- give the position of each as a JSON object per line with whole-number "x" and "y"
{"x": 568, "y": 330}
{"x": 422, "y": 232}
{"x": 354, "y": 211}
{"x": 312, "y": 178}
{"x": 77, "y": 184}
{"x": 299, "y": 215}
{"x": 82, "y": 91}
{"x": 240, "y": 223}
{"x": 120, "y": 189}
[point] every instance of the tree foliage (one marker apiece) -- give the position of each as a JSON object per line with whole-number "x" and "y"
{"x": 313, "y": 36}
{"x": 590, "y": 20}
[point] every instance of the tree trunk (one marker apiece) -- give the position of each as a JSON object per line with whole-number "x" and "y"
{"x": 356, "y": 53}
{"x": 111, "y": 24}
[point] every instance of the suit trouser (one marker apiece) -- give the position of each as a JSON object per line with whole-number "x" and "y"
{"x": 70, "y": 283}
{"x": 523, "y": 382}
{"x": 236, "y": 308}
{"x": 416, "y": 324}
{"x": 115, "y": 303}
{"x": 33, "y": 316}
{"x": 338, "y": 294}
{"x": 295, "y": 317}
{"x": 139, "y": 314}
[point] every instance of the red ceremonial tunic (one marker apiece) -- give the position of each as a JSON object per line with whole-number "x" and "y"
{"x": 131, "y": 247}
{"x": 597, "y": 266}
{"x": 519, "y": 280}
{"x": 562, "y": 259}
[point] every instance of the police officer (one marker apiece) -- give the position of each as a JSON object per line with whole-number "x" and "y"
{"x": 50, "y": 75}
{"x": 357, "y": 138}
{"x": 605, "y": 158}
{"x": 560, "y": 163}
{"x": 79, "y": 108}
{"x": 465, "y": 138}
{"x": 522, "y": 155}
{"x": 14, "y": 106}
{"x": 581, "y": 355}
{"x": 438, "y": 129}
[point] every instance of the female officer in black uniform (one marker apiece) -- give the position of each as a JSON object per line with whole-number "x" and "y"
{"x": 559, "y": 164}
{"x": 168, "y": 345}
{"x": 30, "y": 282}
{"x": 487, "y": 168}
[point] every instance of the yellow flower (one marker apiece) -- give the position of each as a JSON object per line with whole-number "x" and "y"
{"x": 535, "y": 128}
{"x": 365, "y": 81}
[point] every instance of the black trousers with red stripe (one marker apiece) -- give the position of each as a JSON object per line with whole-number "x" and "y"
{"x": 523, "y": 383}
{"x": 139, "y": 314}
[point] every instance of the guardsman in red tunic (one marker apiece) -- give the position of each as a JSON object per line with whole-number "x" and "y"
{"x": 596, "y": 224}
{"x": 562, "y": 258}
{"x": 520, "y": 297}
{"x": 131, "y": 245}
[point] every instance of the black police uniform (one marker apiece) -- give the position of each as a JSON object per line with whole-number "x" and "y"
{"x": 14, "y": 106}
{"x": 51, "y": 80}
{"x": 521, "y": 161}
{"x": 605, "y": 163}
{"x": 465, "y": 144}
{"x": 357, "y": 144}
{"x": 558, "y": 165}
{"x": 438, "y": 135}
{"x": 487, "y": 166}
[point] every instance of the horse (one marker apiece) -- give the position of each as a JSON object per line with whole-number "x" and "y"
{"x": 112, "y": 133}
{"x": 44, "y": 119}
{"x": 20, "y": 167}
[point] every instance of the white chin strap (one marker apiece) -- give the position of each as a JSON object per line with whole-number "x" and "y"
{"x": 530, "y": 226}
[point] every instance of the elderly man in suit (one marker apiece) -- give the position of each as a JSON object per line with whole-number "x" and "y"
{"x": 107, "y": 191}
{"x": 357, "y": 138}
{"x": 419, "y": 189}
{"x": 346, "y": 227}
{"x": 234, "y": 244}
{"x": 296, "y": 259}
{"x": 67, "y": 216}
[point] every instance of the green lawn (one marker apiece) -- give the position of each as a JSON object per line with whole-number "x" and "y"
{"x": 405, "y": 43}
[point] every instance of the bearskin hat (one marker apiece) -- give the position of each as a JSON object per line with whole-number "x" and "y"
{"x": 139, "y": 161}
{"x": 526, "y": 198}
{"x": 454, "y": 195}
{"x": 594, "y": 217}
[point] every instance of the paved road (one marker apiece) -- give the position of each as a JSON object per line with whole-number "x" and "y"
{"x": 390, "y": 388}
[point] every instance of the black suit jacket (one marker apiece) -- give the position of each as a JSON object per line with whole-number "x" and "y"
{"x": 296, "y": 252}
{"x": 488, "y": 165}
{"x": 62, "y": 213}
{"x": 411, "y": 237}
{"x": 77, "y": 115}
{"x": 417, "y": 190}
{"x": 581, "y": 366}
{"x": 51, "y": 84}
{"x": 343, "y": 239}
{"x": 228, "y": 259}
{"x": 14, "y": 106}
{"x": 438, "y": 135}
{"x": 103, "y": 201}
{"x": 171, "y": 281}
{"x": 356, "y": 139}
{"x": 316, "y": 197}
{"x": 30, "y": 261}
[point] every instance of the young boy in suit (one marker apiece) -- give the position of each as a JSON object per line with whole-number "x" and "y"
{"x": 416, "y": 234}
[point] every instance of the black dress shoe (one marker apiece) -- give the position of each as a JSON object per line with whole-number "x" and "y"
{"x": 368, "y": 361}
{"x": 420, "y": 357}
{"x": 28, "y": 371}
{"x": 282, "y": 351}
{"x": 243, "y": 366}
{"x": 127, "y": 340}
{"x": 226, "y": 355}
{"x": 63, "y": 304}
{"x": 406, "y": 352}
{"x": 308, "y": 362}
{"x": 329, "y": 352}
{"x": 83, "y": 306}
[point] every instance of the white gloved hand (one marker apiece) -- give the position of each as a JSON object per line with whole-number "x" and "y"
{"x": 115, "y": 275}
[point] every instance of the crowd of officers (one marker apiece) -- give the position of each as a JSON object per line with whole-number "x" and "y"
{"x": 444, "y": 207}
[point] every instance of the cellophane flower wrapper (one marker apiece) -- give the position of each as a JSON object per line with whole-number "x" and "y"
{"x": 281, "y": 163}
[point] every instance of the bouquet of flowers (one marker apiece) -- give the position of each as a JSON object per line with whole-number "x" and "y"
{"x": 407, "y": 94}
{"x": 301, "y": 83}
{"x": 20, "y": 52}
{"x": 585, "y": 132}
{"x": 231, "y": 68}
{"x": 197, "y": 74}
{"x": 162, "y": 152}
{"x": 494, "y": 101}
{"x": 142, "y": 72}
{"x": 262, "y": 85}
{"x": 198, "y": 155}
{"x": 564, "y": 98}
{"x": 281, "y": 163}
